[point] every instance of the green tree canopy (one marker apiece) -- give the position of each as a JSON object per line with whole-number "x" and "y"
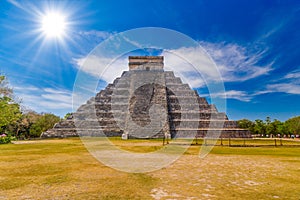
{"x": 10, "y": 111}
{"x": 43, "y": 123}
{"x": 259, "y": 127}
{"x": 246, "y": 124}
{"x": 67, "y": 115}
{"x": 293, "y": 125}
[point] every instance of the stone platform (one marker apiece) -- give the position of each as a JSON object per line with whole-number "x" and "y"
{"x": 147, "y": 102}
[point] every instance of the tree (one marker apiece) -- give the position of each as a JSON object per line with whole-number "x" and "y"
{"x": 293, "y": 125}
{"x": 282, "y": 129}
{"x": 22, "y": 129}
{"x": 43, "y": 123}
{"x": 270, "y": 129}
{"x": 246, "y": 124}
{"x": 68, "y": 115}
{"x": 259, "y": 127}
{"x": 275, "y": 128}
{"x": 4, "y": 89}
{"x": 10, "y": 111}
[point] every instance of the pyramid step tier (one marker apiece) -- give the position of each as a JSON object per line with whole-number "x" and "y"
{"x": 124, "y": 106}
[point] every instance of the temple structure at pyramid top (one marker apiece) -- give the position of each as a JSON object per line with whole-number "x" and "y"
{"x": 147, "y": 102}
{"x": 146, "y": 63}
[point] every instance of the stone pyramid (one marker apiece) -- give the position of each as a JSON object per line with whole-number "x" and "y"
{"x": 147, "y": 102}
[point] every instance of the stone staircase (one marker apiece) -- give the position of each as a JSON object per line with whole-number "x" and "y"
{"x": 147, "y": 102}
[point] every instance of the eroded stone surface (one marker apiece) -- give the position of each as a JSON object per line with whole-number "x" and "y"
{"x": 147, "y": 102}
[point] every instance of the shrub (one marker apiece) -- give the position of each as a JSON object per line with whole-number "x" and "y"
{"x": 4, "y": 139}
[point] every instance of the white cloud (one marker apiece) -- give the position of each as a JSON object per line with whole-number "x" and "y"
{"x": 61, "y": 98}
{"x": 86, "y": 41}
{"x": 45, "y": 103}
{"x": 28, "y": 88}
{"x": 293, "y": 75}
{"x": 45, "y": 99}
{"x": 94, "y": 34}
{"x": 289, "y": 88}
{"x": 289, "y": 84}
{"x": 233, "y": 94}
{"x": 54, "y": 91}
{"x": 103, "y": 68}
{"x": 237, "y": 63}
{"x": 180, "y": 61}
{"x": 262, "y": 92}
{"x": 222, "y": 62}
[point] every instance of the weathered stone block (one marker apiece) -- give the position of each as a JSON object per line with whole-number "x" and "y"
{"x": 147, "y": 102}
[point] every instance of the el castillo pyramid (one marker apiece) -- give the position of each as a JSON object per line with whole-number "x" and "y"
{"x": 147, "y": 102}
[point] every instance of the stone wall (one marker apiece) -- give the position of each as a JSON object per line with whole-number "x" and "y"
{"x": 147, "y": 63}
{"x": 147, "y": 103}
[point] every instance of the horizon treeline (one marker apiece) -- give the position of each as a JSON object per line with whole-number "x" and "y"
{"x": 272, "y": 128}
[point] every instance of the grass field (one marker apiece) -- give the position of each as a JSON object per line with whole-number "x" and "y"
{"x": 63, "y": 169}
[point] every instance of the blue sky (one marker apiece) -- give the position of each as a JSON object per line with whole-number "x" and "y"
{"x": 255, "y": 45}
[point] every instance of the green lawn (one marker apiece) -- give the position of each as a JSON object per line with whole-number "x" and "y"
{"x": 63, "y": 169}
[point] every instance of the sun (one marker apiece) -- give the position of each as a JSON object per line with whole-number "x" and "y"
{"x": 53, "y": 25}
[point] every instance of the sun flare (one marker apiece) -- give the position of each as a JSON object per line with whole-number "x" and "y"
{"x": 53, "y": 25}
